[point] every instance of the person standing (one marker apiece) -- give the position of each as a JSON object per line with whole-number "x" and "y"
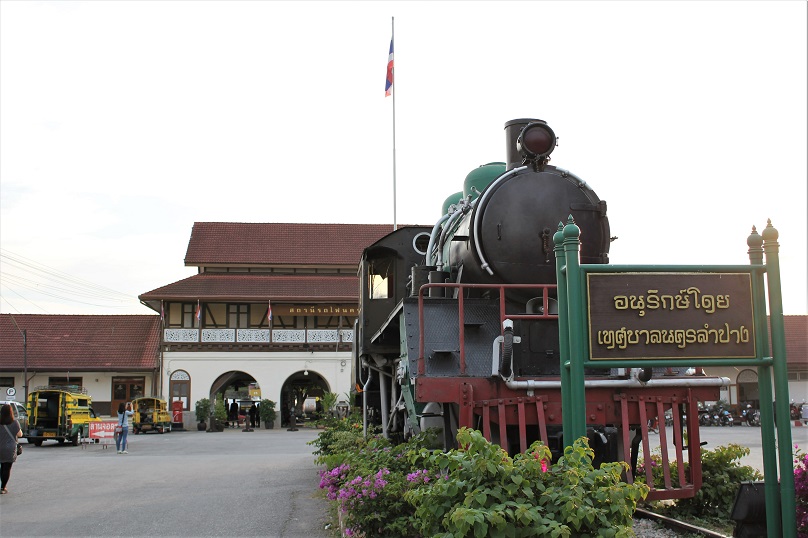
{"x": 233, "y": 414}
{"x": 253, "y": 414}
{"x": 123, "y": 420}
{"x": 8, "y": 444}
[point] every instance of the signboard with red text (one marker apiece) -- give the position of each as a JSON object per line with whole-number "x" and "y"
{"x": 102, "y": 430}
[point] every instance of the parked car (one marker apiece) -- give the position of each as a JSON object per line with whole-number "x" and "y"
{"x": 19, "y": 411}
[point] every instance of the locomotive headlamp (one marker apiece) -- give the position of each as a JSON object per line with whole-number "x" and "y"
{"x": 536, "y": 141}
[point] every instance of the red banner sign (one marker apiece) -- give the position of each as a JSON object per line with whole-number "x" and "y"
{"x": 102, "y": 430}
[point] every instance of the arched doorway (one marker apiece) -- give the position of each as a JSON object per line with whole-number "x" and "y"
{"x": 300, "y": 396}
{"x": 748, "y": 390}
{"x": 237, "y": 390}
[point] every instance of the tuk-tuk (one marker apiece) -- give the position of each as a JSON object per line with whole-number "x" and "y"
{"x": 151, "y": 415}
{"x": 59, "y": 413}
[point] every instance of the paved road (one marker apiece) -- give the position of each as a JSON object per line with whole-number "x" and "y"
{"x": 262, "y": 483}
{"x": 748, "y": 436}
{"x": 193, "y": 483}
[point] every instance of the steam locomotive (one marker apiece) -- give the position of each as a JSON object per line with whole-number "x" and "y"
{"x": 458, "y": 323}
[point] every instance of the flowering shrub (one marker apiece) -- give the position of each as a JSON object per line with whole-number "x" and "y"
{"x": 410, "y": 491}
{"x": 478, "y": 490}
{"x": 369, "y": 487}
{"x": 334, "y": 479}
{"x": 801, "y": 487}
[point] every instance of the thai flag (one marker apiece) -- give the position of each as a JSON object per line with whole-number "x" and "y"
{"x": 198, "y": 312}
{"x": 269, "y": 312}
{"x": 388, "y": 87}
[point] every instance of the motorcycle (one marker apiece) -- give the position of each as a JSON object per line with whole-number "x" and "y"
{"x": 795, "y": 411}
{"x": 750, "y": 417}
{"x": 725, "y": 418}
{"x": 704, "y": 418}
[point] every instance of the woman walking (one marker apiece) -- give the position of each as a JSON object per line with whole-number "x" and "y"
{"x": 8, "y": 444}
{"x": 123, "y": 420}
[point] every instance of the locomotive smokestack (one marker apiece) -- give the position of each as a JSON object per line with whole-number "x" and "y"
{"x": 535, "y": 145}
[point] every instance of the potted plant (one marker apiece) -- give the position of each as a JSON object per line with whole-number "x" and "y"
{"x": 219, "y": 415}
{"x": 329, "y": 400}
{"x": 202, "y": 413}
{"x": 266, "y": 410}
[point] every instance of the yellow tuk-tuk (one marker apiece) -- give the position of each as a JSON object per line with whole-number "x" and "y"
{"x": 151, "y": 415}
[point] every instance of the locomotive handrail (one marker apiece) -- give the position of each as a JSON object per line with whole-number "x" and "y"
{"x": 462, "y": 210}
{"x": 433, "y": 236}
{"x": 532, "y": 384}
{"x": 461, "y": 314}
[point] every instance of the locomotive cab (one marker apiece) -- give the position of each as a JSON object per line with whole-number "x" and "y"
{"x": 384, "y": 280}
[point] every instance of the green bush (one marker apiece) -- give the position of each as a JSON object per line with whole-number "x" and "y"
{"x": 202, "y": 409}
{"x": 266, "y": 411}
{"x": 478, "y": 490}
{"x": 219, "y": 410}
{"x": 340, "y": 438}
{"x": 722, "y": 475}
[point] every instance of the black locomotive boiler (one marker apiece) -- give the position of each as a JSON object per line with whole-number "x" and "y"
{"x": 458, "y": 322}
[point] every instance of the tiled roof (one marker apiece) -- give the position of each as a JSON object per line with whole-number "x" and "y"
{"x": 79, "y": 343}
{"x": 256, "y": 287}
{"x": 796, "y": 331}
{"x": 235, "y": 243}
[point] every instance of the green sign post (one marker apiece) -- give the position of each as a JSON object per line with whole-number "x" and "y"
{"x": 644, "y": 316}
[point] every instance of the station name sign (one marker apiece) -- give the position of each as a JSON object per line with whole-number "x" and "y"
{"x": 315, "y": 310}
{"x": 670, "y": 316}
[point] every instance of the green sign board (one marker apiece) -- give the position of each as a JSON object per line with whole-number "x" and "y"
{"x": 670, "y": 315}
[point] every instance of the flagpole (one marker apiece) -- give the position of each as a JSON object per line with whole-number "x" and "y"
{"x": 395, "y": 226}
{"x": 269, "y": 318}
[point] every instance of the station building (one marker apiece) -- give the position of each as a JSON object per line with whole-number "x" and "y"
{"x": 271, "y": 305}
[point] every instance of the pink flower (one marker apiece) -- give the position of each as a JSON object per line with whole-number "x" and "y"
{"x": 543, "y": 465}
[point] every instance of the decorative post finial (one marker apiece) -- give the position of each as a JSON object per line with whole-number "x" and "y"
{"x": 770, "y": 233}
{"x": 571, "y": 230}
{"x": 755, "y": 244}
{"x": 558, "y": 237}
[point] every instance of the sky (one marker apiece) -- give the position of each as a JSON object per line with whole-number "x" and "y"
{"x": 123, "y": 123}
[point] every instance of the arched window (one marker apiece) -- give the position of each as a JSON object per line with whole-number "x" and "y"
{"x": 748, "y": 388}
{"x": 179, "y": 386}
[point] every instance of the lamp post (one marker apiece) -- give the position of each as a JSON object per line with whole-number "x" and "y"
{"x": 25, "y": 363}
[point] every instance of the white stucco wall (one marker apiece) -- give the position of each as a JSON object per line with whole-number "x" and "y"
{"x": 98, "y": 384}
{"x": 270, "y": 371}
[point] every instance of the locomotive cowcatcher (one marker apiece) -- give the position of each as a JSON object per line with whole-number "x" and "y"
{"x": 458, "y": 325}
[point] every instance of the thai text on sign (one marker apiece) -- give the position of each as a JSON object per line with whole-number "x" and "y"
{"x": 670, "y": 315}
{"x": 102, "y": 430}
